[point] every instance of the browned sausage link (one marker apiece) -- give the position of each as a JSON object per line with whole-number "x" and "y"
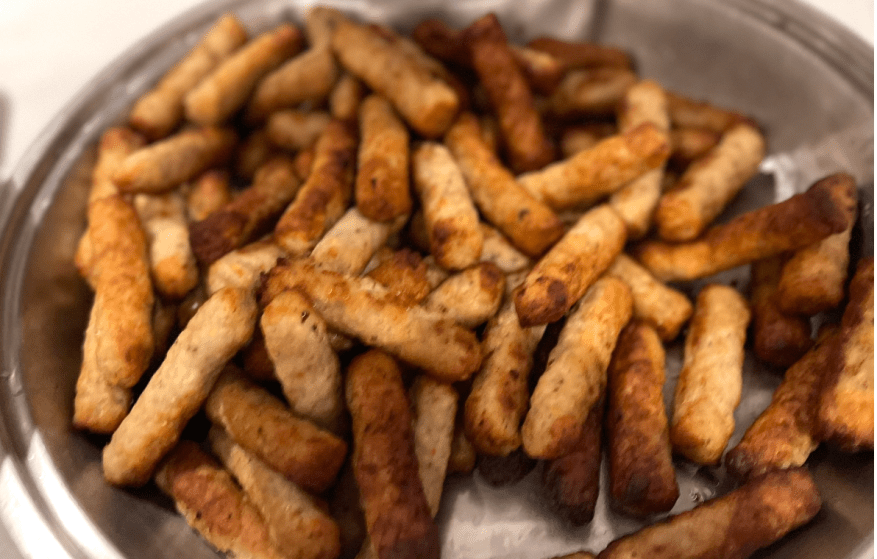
{"x": 397, "y": 515}
{"x": 778, "y": 338}
{"x": 846, "y": 410}
{"x": 213, "y": 504}
{"x": 731, "y": 527}
{"x": 161, "y": 108}
{"x": 572, "y": 482}
{"x": 325, "y": 195}
{"x": 642, "y": 478}
{"x": 262, "y": 424}
{"x": 382, "y": 189}
{"x": 824, "y": 209}
{"x": 528, "y": 223}
{"x": 783, "y": 436}
{"x": 359, "y": 307}
{"x": 248, "y": 215}
{"x": 167, "y": 163}
{"x": 580, "y": 54}
{"x": 528, "y": 146}
{"x": 814, "y": 278}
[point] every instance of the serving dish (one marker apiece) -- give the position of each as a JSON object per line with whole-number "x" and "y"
{"x": 808, "y": 81}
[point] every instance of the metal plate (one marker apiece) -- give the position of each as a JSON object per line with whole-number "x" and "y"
{"x": 808, "y": 81}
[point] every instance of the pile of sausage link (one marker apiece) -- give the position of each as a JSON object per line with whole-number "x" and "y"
{"x": 372, "y": 260}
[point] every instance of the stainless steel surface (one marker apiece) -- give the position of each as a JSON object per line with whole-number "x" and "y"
{"x": 801, "y": 75}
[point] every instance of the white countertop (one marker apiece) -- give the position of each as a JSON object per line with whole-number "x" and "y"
{"x": 50, "y": 49}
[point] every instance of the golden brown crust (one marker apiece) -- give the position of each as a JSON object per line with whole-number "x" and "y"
{"x": 711, "y": 380}
{"x": 115, "y": 145}
{"x": 784, "y": 435}
{"x": 161, "y": 109}
{"x": 575, "y": 377}
{"x": 524, "y": 137}
{"x": 119, "y": 338}
{"x": 304, "y": 361}
{"x": 213, "y": 504}
{"x": 592, "y": 92}
{"x": 529, "y": 224}
{"x": 709, "y": 184}
{"x": 352, "y": 241}
{"x": 225, "y": 90}
{"x": 645, "y": 101}
{"x": 220, "y": 327}
{"x": 687, "y": 112}
{"x": 563, "y": 275}
{"x": 384, "y": 461}
{"x": 163, "y": 218}
{"x": 642, "y": 477}
{"x": 426, "y": 102}
{"x": 653, "y": 301}
{"x": 541, "y": 70}
{"x": 824, "y": 209}
{"x": 304, "y": 163}
{"x": 296, "y": 130}
{"x": 297, "y": 525}
{"x": 242, "y": 267}
{"x": 358, "y": 307}
{"x": 581, "y": 54}
{"x": 455, "y": 238}
{"x": 207, "y": 194}
{"x": 119, "y": 274}
{"x": 579, "y": 137}
{"x": 572, "y": 481}
{"x": 733, "y": 526}
{"x": 813, "y": 278}
{"x": 846, "y": 407}
{"x": 382, "y": 191}
{"x": 308, "y": 76}
{"x": 470, "y": 297}
{"x": 635, "y": 203}
{"x": 590, "y": 175}
{"x": 420, "y": 57}
{"x": 163, "y": 165}
{"x": 404, "y": 273}
{"x": 442, "y": 41}
{"x": 690, "y": 143}
{"x": 99, "y": 406}
{"x": 248, "y": 215}
{"x": 498, "y": 400}
{"x": 324, "y": 197}
{"x": 346, "y": 97}
{"x": 262, "y": 424}
{"x": 778, "y": 338}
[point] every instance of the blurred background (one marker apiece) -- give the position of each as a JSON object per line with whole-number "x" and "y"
{"x": 50, "y": 49}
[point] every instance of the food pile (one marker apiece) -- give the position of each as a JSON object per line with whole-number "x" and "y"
{"x": 372, "y": 260}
